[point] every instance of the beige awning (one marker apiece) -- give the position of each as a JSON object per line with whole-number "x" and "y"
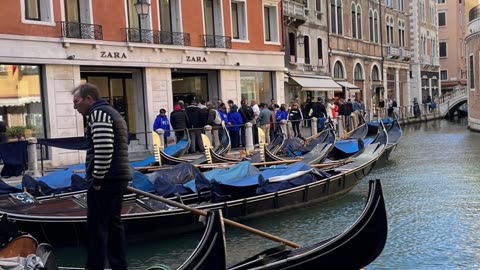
{"x": 348, "y": 85}
{"x": 316, "y": 83}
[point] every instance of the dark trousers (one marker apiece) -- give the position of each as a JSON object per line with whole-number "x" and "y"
{"x": 242, "y": 136}
{"x": 296, "y": 128}
{"x": 105, "y": 228}
{"x": 235, "y": 138}
{"x": 179, "y": 134}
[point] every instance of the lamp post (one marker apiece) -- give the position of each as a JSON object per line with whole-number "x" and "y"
{"x": 142, "y": 7}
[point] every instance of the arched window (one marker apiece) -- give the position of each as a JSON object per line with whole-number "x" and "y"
{"x": 306, "y": 46}
{"x": 359, "y": 21}
{"x": 375, "y": 74}
{"x": 371, "y": 35}
{"x": 292, "y": 44}
{"x": 358, "y": 72}
{"x": 339, "y": 17}
{"x": 354, "y": 20}
{"x": 333, "y": 16}
{"x": 375, "y": 25}
{"x": 338, "y": 70}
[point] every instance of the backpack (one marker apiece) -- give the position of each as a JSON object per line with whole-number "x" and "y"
{"x": 218, "y": 118}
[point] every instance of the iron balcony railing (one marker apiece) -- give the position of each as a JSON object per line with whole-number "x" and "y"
{"x": 157, "y": 37}
{"x": 214, "y": 41}
{"x": 81, "y": 30}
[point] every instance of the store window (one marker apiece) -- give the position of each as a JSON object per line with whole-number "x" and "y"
{"x": 256, "y": 85}
{"x": 20, "y": 101}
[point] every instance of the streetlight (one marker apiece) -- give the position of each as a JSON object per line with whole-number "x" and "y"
{"x": 142, "y": 7}
{"x": 300, "y": 38}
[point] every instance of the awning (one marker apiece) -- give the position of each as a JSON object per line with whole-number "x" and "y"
{"x": 348, "y": 85}
{"x": 316, "y": 83}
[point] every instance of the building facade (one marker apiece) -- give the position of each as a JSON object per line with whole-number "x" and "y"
{"x": 472, "y": 51}
{"x": 451, "y": 31}
{"x": 425, "y": 66}
{"x": 181, "y": 50}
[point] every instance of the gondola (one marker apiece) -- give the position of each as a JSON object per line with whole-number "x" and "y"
{"x": 209, "y": 254}
{"x": 45, "y": 216}
{"x": 222, "y": 149}
{"x": 394, "y": 136}
{"x": 315, "y": 150}
{"x": 354, "y": 248}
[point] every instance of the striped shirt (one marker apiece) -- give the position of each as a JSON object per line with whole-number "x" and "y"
{"x": 101, "y": 126}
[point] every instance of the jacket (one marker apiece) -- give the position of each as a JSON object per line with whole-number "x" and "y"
{"x": 163, "y": 123}
{"x": 106, "y": 131}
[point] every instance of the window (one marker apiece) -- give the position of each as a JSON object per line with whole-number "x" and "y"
{"x": 239, "y": 22}
{"x": 389, "y": 25}
{"x": 442, "y": 19}
{"x": 424, "y": 45}
{"x": 471, "y": 72}
{"x": 375, "y": 25}
{"x": 422, "y": 10}
{"x": 21, "y": 98}
{"x": 169, "y": 12}
{"x": 401, "y": 33}
{"x": 358, "y": 73}
{"x": 336, "y": 17}
{"x": 306, "y": 46}
{"x": 356, "y": 21}
{"x": 320, "y": 51}
{"x": 292, "y": 44}
{"x": 37, "y": 12}
{"x": 441, "y": 1}
{"x": 318, "y": 5}
{"x": 388, "y": 3}
{"x": 338, "y": 70}
{"x": 256, "y": 85}
{"x": 375, "y": 74}
{"x": 443, "y": 48}
{"x": 134, "y": 20}
{"x": 371, "y": 34}
{"x": 443, "y": 75}
{"x": 400, "y": 5}
{"x": 270, "y": 23}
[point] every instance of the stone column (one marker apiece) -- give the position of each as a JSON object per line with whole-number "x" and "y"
{"x": 32, "y": 157}
{"x": 340, "y": 126}
{"x": 249, "y": 136}
{"x": 397, "y": 85}
{"x": 208, "y": 132}
{"x": 314, "y": 125}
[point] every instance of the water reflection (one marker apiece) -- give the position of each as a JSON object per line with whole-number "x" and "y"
{"x": 432, "y": 191}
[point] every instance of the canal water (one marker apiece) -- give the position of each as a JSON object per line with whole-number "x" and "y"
{"x": 432, "y": 191}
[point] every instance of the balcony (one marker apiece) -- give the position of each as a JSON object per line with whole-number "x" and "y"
{"x": 157, "y": 37}
{"x": 295, "y": 9}
{"x": 214, "y": 41}
{"x": 426, "y": 60}
{"x": 393, "y": 52}
{"x": 435, "y": 61}
{"x": 81, "y": 30}
{"x": 405, "y": 53}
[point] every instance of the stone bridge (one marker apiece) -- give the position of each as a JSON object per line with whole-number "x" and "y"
{"x": 451, "y": 101}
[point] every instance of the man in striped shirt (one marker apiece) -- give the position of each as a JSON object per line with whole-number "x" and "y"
{"x": 108, "y": 170}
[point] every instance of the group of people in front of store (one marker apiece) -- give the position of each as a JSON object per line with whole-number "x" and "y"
{"x": 195, "y": 116}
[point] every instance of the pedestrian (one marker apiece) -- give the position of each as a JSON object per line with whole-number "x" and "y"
{"x": 194, "y": 128}
{"x": 264, "y": 121}
{"x": 162, "y": 122}
{"x": 179, "y": 121}
{"x": 107, "y": 169}
{"x": 234, "y": 122}
{"x": 295, "y": 117}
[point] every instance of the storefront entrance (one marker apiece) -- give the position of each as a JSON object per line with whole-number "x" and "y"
{"x": 118, "y": 89}
{"x": 189, "y": 85}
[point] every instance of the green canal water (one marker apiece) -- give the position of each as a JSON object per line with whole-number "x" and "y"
{"x": 432, "y": 191}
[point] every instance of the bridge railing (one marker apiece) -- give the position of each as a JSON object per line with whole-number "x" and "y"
{"x": 452, "y": 95}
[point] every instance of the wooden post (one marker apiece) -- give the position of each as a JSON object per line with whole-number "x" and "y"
{"x": 161, "y": 134}
{"x": 208, "y": 132}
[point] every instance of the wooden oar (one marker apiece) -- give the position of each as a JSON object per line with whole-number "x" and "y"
{"x": 204, "y": 213}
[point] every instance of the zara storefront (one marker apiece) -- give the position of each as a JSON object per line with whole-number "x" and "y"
{"x": 38, "y": 74}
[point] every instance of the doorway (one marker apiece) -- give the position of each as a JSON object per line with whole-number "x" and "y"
{"x": 189, "y": 85}
{"x": 116, "y": 89}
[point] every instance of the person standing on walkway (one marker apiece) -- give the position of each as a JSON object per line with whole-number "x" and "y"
{"x": 107, "y": 169}
{"x": 295, "y": 117}
{"x": 162, "y": 122}
{"x": 179, "y": 121}
{"x": 264, "y": 121}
